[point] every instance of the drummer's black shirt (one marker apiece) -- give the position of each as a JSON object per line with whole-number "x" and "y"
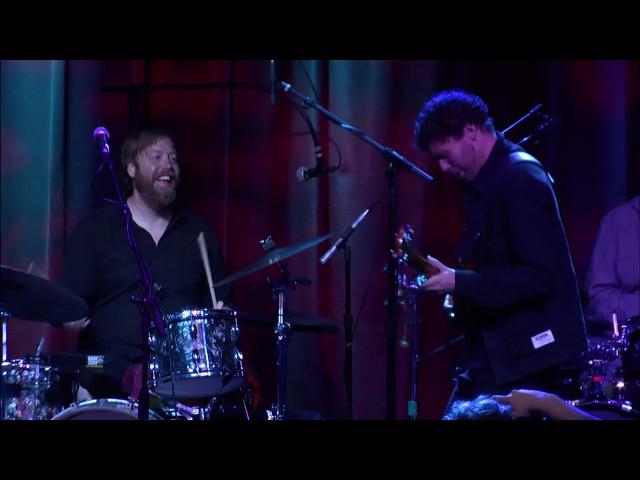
{"x": 100, "y": 266}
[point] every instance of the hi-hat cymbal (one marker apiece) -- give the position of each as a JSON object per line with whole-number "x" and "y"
{"x": 28, "y": 297}
{"x": 274, "y": 256}
{"x": 297, "y": 321}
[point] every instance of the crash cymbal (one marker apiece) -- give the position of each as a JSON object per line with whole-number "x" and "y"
{"x": 297, "y": 321}
{"x": 28, "y": 297}
{"x": 274, "y": 256}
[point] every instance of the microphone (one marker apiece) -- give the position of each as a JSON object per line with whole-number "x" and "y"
{"x": 305, "y": 173}
{"x": 345, "y": 235}
{"x": 101, "y": 135}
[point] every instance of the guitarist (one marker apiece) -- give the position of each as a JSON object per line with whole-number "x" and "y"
{"x": 519, "y": 304}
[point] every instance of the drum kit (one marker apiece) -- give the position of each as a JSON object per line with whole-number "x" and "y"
{"x": 609, "y": 377}
{"x": 197, "y": 362}
{"x": 192, "y": 368}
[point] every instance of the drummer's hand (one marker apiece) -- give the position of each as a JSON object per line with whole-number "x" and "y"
{"x": 78, "y": 324}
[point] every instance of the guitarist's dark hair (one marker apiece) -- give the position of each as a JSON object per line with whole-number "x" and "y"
{"x": 445, "y": 115}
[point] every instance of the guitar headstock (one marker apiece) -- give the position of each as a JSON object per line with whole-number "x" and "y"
{"x": 407, "y": 255}
{"x": 401, "y": 247}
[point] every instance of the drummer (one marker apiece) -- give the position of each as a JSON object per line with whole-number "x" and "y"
{"x": 100, "y": 266}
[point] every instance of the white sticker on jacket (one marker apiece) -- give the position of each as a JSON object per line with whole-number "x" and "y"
{"x": 542, "y": 339}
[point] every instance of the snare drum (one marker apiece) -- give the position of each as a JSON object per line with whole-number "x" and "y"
{"x": 198, "y": 356}
{"x": 104, "y": 409}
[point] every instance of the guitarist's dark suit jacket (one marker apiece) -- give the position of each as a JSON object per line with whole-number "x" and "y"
{"x": 518, "y": 302}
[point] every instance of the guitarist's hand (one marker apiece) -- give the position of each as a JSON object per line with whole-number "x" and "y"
{"x": 442, "y": 282}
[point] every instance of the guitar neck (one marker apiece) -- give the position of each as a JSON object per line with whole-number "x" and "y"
{"x": 419, "y": 262}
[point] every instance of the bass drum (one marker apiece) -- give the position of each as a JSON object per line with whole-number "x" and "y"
{"x": 104, "y": 409}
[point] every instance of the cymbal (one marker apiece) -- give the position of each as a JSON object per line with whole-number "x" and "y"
{"x": 274, "y": 256}
{"x": 297, "y": 321}
{"x": 28, "y": 297}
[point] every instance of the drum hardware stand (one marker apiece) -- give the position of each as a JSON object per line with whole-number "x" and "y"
{"x": 282, "y": 331}
{"x": 245, "y": 409}
{"x": 175, "y": 407}
{"x": 409, "y": 299}
{"x": 412, "y": 404}
{"x": 206, "y": 413}
{"x": 4, "y": 315}
{"x": 36, "y": 387}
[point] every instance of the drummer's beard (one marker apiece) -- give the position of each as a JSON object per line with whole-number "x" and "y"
{"x": 157, "y": 195}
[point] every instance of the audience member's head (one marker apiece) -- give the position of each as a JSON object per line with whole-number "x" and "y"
{"x": 482, "y": 407}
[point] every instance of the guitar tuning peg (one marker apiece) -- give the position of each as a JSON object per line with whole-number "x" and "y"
{"x": 404, "y": 341}
{"x": 268, "y": 243}
{"x": 421, "y": 280}
{"x": 402, "y": 258}
{"x": 409, "y": 232}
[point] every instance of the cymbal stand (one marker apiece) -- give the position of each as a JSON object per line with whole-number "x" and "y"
{"x": 282, "y": 332}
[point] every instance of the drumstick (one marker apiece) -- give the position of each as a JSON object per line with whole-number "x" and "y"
{"x": 207, "y": 268}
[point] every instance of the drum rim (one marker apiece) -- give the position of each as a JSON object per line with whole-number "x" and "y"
{"x": 190, "y": 376}
{"x": 105, "y": 405}
{"x": 21, "y": 362}
{"x": 166, "y": 380}
{"x": 199, "y": 314}
{"x": 234, "y": 383}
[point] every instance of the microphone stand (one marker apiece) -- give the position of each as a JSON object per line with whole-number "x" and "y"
{"x": 544, "y": 122}
{"x": 393, "y": 159}
{"x": 148, "y": 303}
{"x": 522, "y": 119}
{"x": 342, "y": 243}
{"x": 348, "y": 322}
